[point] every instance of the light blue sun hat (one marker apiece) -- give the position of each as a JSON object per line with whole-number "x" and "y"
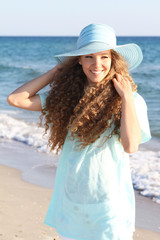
{"x": 100, "y": 37}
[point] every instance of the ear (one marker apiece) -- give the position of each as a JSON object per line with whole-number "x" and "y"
{"x": 79, "y": 60}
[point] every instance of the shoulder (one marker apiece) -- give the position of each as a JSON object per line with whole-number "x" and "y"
{"x": 43, "y": 97}
{"x": 139, "y": 100}
{"x": 137, "y": 96}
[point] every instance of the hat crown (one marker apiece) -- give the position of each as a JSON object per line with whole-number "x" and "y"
{"x": 97, "y": 33}
{"x": 96, "y": 38}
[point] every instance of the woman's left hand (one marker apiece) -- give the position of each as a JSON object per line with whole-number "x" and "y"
{"x": 122, "y": 85}
{"x": 130, "y": 128}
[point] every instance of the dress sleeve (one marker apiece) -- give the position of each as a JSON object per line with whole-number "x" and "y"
{"x": 43, "y": 97}
{"x": 141, "y": 110}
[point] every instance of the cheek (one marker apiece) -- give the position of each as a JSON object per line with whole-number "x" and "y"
{"x": 108, "y": 65}
{"x": 85, "y": 70}
{"x": 85, "y": 65}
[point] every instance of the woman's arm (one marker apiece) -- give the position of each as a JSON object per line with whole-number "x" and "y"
{"x": 130, "y": 128}
{"x": 25, "y": 96}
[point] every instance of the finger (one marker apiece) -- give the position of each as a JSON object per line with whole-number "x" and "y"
{"x": 119, "y": 77}
{"x": 114, "y": 80}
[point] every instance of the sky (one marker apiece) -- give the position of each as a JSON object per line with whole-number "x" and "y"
{"x": 68, "y": 17}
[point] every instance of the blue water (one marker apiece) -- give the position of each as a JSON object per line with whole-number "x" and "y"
{"x": 24, "y": 58}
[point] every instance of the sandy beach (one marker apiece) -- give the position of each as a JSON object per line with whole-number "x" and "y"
{"x": 23, "y": 207}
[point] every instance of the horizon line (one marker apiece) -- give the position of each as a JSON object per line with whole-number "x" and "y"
{"x": 74, "y": 36}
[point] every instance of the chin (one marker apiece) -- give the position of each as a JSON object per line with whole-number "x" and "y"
{"x": 95, "y": 81}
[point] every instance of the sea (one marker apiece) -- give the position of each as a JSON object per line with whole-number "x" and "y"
{"x": 24, "y": 58}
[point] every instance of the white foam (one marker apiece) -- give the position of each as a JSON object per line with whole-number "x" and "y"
{"x": 22, "y": 131}
{"x": 10, "y": 112}
{"x": 145, "y": 168}
{"x": 145, "y": 164}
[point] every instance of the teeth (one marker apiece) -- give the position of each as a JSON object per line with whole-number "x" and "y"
{"x": 96, "y": 72}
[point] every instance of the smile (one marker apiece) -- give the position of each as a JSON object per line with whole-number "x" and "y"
{"x": 97, "y": 72}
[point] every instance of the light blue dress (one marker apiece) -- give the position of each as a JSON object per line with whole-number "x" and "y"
{"x": 93, "y": 197}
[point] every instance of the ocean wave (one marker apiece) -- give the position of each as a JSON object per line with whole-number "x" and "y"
{"x": 145, "y": 169}
{"x": 145, "y": 164}
{"x": 18, "y": 67}
{"x": 153, "y": 66}
{"x": 25, "y": 132}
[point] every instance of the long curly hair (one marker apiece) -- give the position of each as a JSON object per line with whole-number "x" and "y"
{"x": 87, "y": 111}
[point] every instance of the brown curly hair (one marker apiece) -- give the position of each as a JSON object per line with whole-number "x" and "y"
{"x": 87, "y": 111}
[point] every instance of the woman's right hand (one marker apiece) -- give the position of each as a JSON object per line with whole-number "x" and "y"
{"x": 25, "y": 96}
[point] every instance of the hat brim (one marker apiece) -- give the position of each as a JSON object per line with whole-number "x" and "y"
{"x": 131, "y": 52}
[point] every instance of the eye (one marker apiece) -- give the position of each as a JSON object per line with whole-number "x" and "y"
{"x": 89, "y": 56}
{"x": 104, "y": 56}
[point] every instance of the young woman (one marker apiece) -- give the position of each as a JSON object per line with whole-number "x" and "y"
{"x": 95, "y": 116}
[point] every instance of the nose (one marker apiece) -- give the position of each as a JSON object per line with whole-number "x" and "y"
{"x": 97, "y": 62}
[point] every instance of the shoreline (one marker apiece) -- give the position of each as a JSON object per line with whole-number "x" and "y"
{"x": 147, "y": 213}
{"x": 24, "y": 206}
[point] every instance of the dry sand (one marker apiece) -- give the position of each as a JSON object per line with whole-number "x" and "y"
{"x": 23, "y": 207}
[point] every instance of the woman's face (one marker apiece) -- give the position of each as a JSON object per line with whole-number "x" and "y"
{"x": 96, "y": 66}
